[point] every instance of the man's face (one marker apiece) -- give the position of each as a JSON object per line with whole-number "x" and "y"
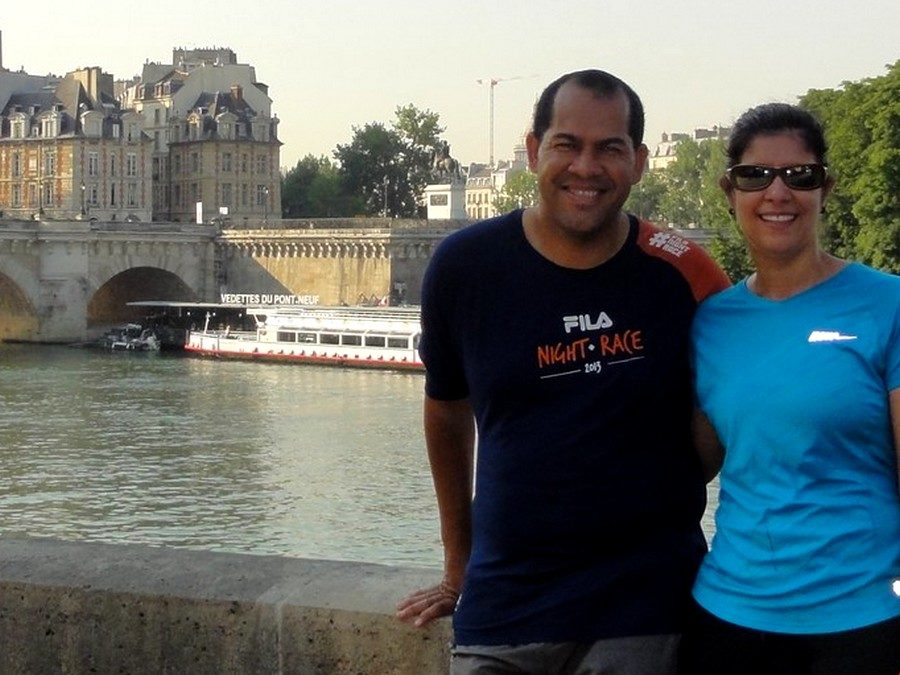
{"x": 585, "y": 162}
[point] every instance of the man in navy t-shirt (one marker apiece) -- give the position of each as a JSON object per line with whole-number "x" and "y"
{"x": 561, "y": 333}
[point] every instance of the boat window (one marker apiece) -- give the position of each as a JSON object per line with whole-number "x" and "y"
{"x": 306, "y": 337}
{"x": 354, "y": 340}
{"x": 285, "y": 336}
{"x": 398, "y": 343}
{"x": 330, "y": 339}
{"x": 375, "y": 341}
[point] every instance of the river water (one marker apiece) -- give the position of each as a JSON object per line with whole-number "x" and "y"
{"x": 218, "y": 455}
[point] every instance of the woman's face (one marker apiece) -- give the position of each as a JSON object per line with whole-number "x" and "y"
{"x": 778, "y": 221}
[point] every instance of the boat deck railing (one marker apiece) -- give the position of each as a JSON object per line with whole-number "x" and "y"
{"x": 349, "y": 313}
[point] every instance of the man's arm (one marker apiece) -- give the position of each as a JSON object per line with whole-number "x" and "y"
{"x": 707, "y": 444}
{"x": 450, "y": 439}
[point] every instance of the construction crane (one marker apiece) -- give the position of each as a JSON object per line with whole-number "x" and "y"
{"x": 493, "y": 82}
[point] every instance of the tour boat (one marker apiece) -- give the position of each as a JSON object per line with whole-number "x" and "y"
{"x": 366, "y": 337}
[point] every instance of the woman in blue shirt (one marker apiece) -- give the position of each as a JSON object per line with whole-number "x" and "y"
{"x": 798, "y": 384}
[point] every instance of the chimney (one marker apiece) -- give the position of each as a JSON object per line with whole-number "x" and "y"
{"x": 237, "y": 92}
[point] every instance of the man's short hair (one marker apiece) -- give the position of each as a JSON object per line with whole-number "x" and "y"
{"x": 603, "y": 85}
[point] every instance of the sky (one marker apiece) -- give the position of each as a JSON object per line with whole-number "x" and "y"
{"x": 332, "y": 65}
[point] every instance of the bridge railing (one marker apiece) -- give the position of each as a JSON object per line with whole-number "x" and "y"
{"x": 69, "y": 607}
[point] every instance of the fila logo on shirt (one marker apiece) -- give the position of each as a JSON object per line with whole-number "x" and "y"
{"x": 585, "y": 323}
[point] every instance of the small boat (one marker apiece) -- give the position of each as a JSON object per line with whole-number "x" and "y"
{"x": 130, "y": 337}
{"x": 365, "y": 337}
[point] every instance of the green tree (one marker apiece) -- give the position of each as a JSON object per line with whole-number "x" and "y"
{"x": 519, "y": 191}
{"x": 312, "y": 189}
{"x": 388, "y": 168}
{"x": 680, "y": 204}
{"x": 372, "y": 169}
{"x": 862, "y": 126}
{"x": 645, "y": 198}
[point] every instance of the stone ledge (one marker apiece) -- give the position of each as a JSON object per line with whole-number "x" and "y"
{"x": 68, "y": 607}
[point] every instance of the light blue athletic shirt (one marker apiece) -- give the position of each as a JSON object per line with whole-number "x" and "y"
{"x": 808, "y": 524}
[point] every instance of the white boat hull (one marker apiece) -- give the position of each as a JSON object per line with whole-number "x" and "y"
{"x": 240, "y": 347}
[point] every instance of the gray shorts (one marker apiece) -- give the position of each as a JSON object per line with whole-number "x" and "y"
{"x": 640, "y": 655}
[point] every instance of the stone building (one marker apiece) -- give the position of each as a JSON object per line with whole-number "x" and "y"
{"x": 215, "y": 141}
{"x": 68, "y": 150}
{"x": 664, "y": 152}
{"x": 484, "y": 182}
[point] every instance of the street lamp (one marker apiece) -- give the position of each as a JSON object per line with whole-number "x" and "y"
{"x": 266, "y": 206}
{"x": 384, "y": 210}
{"x": 82, "y": 200}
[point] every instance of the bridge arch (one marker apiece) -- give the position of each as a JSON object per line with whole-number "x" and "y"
{"x": 109, "y": 303}
{"x": 18, "y": 318}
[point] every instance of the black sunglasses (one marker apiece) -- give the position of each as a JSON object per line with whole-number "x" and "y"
{"x": 754, "y": 177}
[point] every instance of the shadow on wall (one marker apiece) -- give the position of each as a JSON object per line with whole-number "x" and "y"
{"x": 18, "y": 319}
{"x": 109, "y": 305}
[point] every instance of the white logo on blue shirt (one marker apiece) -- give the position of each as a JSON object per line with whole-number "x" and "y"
{"x": 829, "y": 336}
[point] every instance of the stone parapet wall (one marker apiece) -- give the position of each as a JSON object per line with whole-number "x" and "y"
{"x": 69, "y": 607}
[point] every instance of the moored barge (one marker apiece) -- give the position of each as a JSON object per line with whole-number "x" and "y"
{"x": 365, "y": 337}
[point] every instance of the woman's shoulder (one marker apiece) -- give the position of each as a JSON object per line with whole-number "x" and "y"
{"x": 863, "y": 276}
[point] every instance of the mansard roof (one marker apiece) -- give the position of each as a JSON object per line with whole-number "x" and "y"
{"x": 220, "y": 101}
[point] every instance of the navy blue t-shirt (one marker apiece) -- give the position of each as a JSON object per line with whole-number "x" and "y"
{"x": 588, "y": 492}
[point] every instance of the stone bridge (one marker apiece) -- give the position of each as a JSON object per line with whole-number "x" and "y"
{"x": 69, "y": 281}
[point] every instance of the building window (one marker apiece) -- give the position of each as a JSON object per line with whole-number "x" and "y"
{"x": 226, "y": 161}
{"x": 16, "y": 165}
{"x": 157, "y": 140}
{"x": 93, "y": 163}
{"x": 47, "y": 198}
{"x": 244, "y": 191}
{"x": 262, "y": 165}
{"x": 32, "y": 164}
{"x": 226, "y": 194}
{"x": 17, "y": 195}
{"x": 176, "y": 195}
{"x": 131, "y": 165}
{"x": 131, "y": 132}
{"x": 18, "y": 128}
{"x": 112, "y": 194}
{"x": 50, "y": 126}
{"x": 112, "y": 165}
{"x": 244, "y": 162}
{"x": 131, "y": 195}
{"x": 156, "y": 116}
{"x": 93, "y": 195}
{"x": 195, "y": 162}
{"x": 261, "y": 194}
{"x": 50, "y": 162}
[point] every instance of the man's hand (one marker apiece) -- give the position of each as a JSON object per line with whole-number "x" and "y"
{"x": 423, "y": 606}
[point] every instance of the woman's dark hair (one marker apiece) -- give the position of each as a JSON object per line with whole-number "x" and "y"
{"x": 774, "y": 118}
{"x": 603, "y": 85}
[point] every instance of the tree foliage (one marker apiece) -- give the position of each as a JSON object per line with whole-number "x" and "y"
{"x": 645, "y": 198}
{"x": 862, "y": 126}
{"x": 372, "y": 170}
{"x": 519, "y": 191}
{"x": 387, "y": 168}
{"x": 312, "y": 189}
